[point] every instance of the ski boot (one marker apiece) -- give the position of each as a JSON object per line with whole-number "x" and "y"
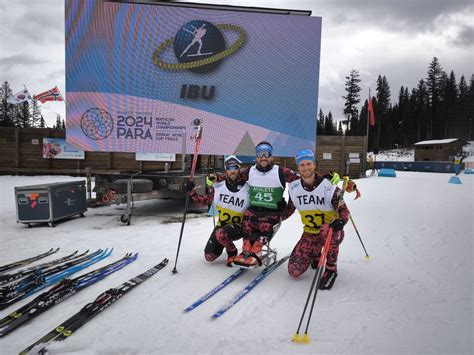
{"x": 251, "y": 256}
{"x": 231, "y": 255}
{"x": 328, "y": 279}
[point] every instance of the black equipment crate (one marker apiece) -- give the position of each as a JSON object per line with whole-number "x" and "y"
{"x": 50, "y": 202}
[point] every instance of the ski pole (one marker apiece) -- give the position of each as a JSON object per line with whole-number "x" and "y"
{"x": 322, "y": 262}
{"x": 296, "y": 337}
{"x": 191, "y": 179}
{"x": 314, "y": 286}
{"x": 361, "y": 242}
{"x": 318, "y": 274}
{"x": 212, "y": 205}
{"x": 213, "y": 215}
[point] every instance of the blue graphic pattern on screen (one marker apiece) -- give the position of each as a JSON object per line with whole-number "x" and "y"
{"x": 271, "y": 81}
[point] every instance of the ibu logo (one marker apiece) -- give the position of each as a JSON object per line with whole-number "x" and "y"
{"x": 199, "y": 46}
{"x": 194, "y": 92}
{"x": 196, "y": 41}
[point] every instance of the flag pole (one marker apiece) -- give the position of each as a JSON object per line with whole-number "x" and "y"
{"x": 29, "y": 95}
{"x": 368, "y": 120}
{"x": 367, "y": 135}
{"x": 27, "y": 91}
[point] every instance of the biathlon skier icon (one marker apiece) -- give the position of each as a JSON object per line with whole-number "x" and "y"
{"x": 198, "y": 34}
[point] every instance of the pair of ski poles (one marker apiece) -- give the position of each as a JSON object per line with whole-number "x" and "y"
{"x": 297, "y": 338}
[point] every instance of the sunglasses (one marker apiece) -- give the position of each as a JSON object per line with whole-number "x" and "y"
{"x": 264, "y": 154}
{"x": 232, "y": 167}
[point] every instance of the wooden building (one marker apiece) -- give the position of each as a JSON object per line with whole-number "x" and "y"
{"x": 438, "y": 150}
{"x": 342, "y": 154}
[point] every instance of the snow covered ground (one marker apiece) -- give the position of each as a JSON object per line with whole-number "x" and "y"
{"x": 415, "y": 295}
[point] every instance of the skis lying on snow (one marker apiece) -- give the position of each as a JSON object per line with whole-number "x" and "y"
{"x": 263, "y": 274}
{"x": 216, "y": 289}
{"x": 60, "y": 292}
{"x": 27, "y": 261}
{"x": 90, "y": 310}
{"x": 260, "y": 277}
{"x": 10, "y": 296}
{"x": 7, "y": 278}
{"x": 39, "y": 275}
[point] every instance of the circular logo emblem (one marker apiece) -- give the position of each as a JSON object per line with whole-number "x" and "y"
{"x": 199, "y": 46}
{"x": 198, "y": 40}
{"x": 97, "y": 123}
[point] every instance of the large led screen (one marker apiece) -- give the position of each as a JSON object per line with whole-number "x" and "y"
{"x": 141, "y": 77}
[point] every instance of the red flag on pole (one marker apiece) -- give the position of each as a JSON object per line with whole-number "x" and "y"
{"x": 371, "y": 113}
{"x": 50, "y": 95}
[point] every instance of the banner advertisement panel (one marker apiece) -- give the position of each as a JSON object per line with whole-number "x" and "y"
{"x": 57, "y": 148}
{"x": 140, "y": 156}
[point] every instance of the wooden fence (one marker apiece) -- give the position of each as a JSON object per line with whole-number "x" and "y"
{"x": 21, "y": 152}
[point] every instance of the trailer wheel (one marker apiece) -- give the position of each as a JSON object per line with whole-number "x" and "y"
{"x": 139, "y": 185}
{"x": 125, "y": 219}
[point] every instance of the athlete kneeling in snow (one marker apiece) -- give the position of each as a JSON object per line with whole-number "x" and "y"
{"x": 230, "y": 197}
{"x": 317, "y": 199}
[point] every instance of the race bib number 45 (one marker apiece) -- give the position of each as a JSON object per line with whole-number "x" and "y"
{"x": 267, "y": 197}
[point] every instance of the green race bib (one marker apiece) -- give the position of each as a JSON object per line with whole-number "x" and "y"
{"x": 267, "y": 197}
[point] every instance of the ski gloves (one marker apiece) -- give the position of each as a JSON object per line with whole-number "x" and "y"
{"x": 334, "y": 178}
{"x": 210, "y": 179}
{"x": 337, "y": 225}
{"x": 190, "y": 186}
{"x": 351, "y": 187}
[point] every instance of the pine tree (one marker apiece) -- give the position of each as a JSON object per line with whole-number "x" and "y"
{"x": 352, "y": 100}
{"x": 449, "y": 108}
{"x": 463, "y": 89}
{"x": 421, "y": 111}
{"x": 63, "y": 125}
{"x": 24, "y": 115}
{"x": 363, "y": 123}
{"x": 35, "y": 114}
{"x": 6, "y": 109}
{"x": 42, "y": 123}
{"x": 320, "y": 129}
{"x": 340, "y": 132}
{"x": 462, "y": 119}
{"x": 412, "y": 124}
{"x": 58, "y": 122}
{"x": 434, "y": 85}
{"x": 329, "y": 127}
{"x": 401, "y": 116}
{"x": 406, "y": 113}
{"x": 470, "y": 106}
{"x": 382, "y": 110}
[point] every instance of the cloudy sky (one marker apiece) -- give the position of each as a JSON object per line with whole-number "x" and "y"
{"x": 397, "y": 39}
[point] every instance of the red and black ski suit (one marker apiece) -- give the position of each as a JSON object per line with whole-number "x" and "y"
{"x": 223, "y": 235}
{"x": 309, "y": 246}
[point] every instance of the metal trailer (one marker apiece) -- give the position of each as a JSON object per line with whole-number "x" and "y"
{"x": 137, "y": 186}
